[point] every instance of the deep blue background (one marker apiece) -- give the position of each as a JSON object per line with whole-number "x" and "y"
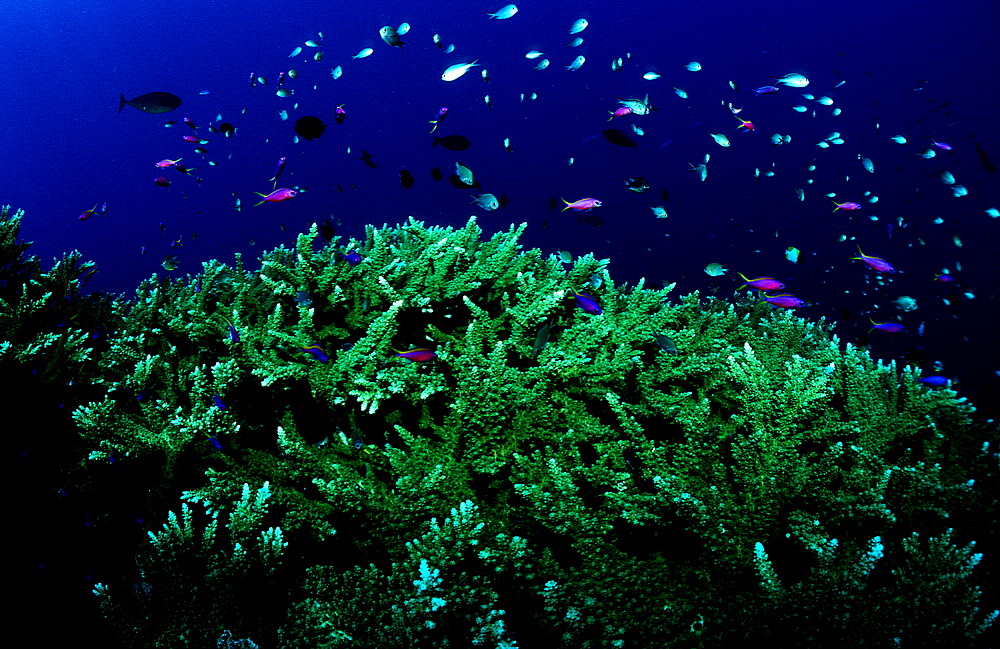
{"x": 910, "y": 69}
{"x": 65, "y": 148}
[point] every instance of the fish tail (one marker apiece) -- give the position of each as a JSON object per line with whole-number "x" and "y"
{"x": 567, "y": 204}
{"x": 122, "y": 102}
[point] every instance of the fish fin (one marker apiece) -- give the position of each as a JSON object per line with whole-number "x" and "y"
{"x": 122, "y": 102}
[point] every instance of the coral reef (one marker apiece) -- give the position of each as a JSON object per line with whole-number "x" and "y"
{"x": 657, "y": 473}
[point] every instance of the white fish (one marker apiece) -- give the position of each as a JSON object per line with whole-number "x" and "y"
{"x": 826, "y": 101}
{"x": 575, "y": 65}
{"x": 947, "y": 178}
{"x": 579, "y": 26}
{"x": 363, "y": 53}
{"x": 659, "y": 211}
{"x": 638, "y": 131}
{"x": 792, "y": 254}
{"x": 638, "y": 106}
{"x": 899, "y": 139}
{"x": 283, "y": 114}
{"x": 694, "y": 66}
{"x": 649, "y": 76}
{"x": 544, "y": 63}
{"x": 799, "y": 109}
{"x": 869, "y": 167}
{"x": 715, "y": 270}
{"x": 616, "y": 65}
{"x": 801, "y": 193}
{"x": 959, "y": 191}
{"x": 793, "y": 79}
{"x": 337, "y": 72}
{"x": 504, "y": 12}
{"x": 312, "y": 43}
{"x": 457, "y": 70}
{"x": 837, "y": 111}
{"x": 449, "y": 49}
{"x": 681, "y": 92}
{"x": 403, "y": 28}
{"x": 776, "y": 139}
{"x": 533, "y": 54}
{"x": 719, "y": 138}
{"x": 488, "y": 202}
{"x": 576, "y": 42}
{"x": 295, "y": 52}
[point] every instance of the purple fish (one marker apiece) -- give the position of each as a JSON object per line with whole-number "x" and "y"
{"x": 442, "y": 113}
{"x": 417, "y": 354}
{"x": 875, "y": 263}
{"x": 279, "y": 169}
{"x": 218, "y": 402}
{"x": 316, "y": 351}
{"x": 847, "y": 205}
{"x": 582, "y": 205}
{"x": 941, "y": 145}
{"x": 353, "y": 258}
{"x": 620, "y": 112}
{"x": 587, "y": 303}
{"x": 766, "y": 90}
{"x": 887, "y": 327}
{"x": 784, "y": 300}
{"x": 277, "y": 196}
{"x": 762, "y": 283}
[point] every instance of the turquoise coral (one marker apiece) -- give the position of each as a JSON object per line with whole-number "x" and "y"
{"x": 755, "y": 480}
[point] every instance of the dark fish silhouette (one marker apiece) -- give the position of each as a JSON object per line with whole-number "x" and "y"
{"x": 453, "y": 142}
{"x": 436, "y": 173}
{"x": 614, "y": 136}
{"x": 367, "y": 159}
{"x": 309, "y": 127}
{"x": 405, "y": 179}
{"x": 151, "y": 102}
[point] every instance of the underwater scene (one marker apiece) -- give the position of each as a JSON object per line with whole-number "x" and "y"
{"x": 547, "y": 324}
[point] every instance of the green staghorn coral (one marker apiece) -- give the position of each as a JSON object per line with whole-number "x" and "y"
{"x": 668, "y": 473}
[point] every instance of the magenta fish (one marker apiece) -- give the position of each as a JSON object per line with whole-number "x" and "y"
{"x": 442, "y": 113}
{"x": 581, "y": 205}
{"x": 783, "y": 300}
{"x": 847, "y": 205}
{"x": 587, "y": 303}
{"x": 620, "y": 112}
{"x": 875, "y": 263}
{"x": 163, "y": 164}
{"x": 277, "y": 196}
{"x": 88, "y": 213}
{"x": 762, "y": 283}
{"x": 339, "y": 114}
{"x": 887, "y": 327}
{"x": 417, "y": 354}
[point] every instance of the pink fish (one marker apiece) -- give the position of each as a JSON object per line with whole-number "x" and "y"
{"x": 163, "y": 164}
{"x": 784, "y": 300}
{"x": 620, "y": 112}
{"x": 417, "y": 354}
{"x": 88, "y": 213}
{"x": 581, "y": 205}
{"x": 762, "y": 283}
{"x": 849, "y": 205}
{"x": 745, "y": 123}
{"x": 875, "y": 263}
{"x": 277, "y": 196}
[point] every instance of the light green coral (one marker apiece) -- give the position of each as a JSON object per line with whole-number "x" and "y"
{"x": 689, "y": 472}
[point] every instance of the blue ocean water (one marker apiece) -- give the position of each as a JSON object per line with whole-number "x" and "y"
{"x": 904, "y": 70}
{"x": 913, "y": 68}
